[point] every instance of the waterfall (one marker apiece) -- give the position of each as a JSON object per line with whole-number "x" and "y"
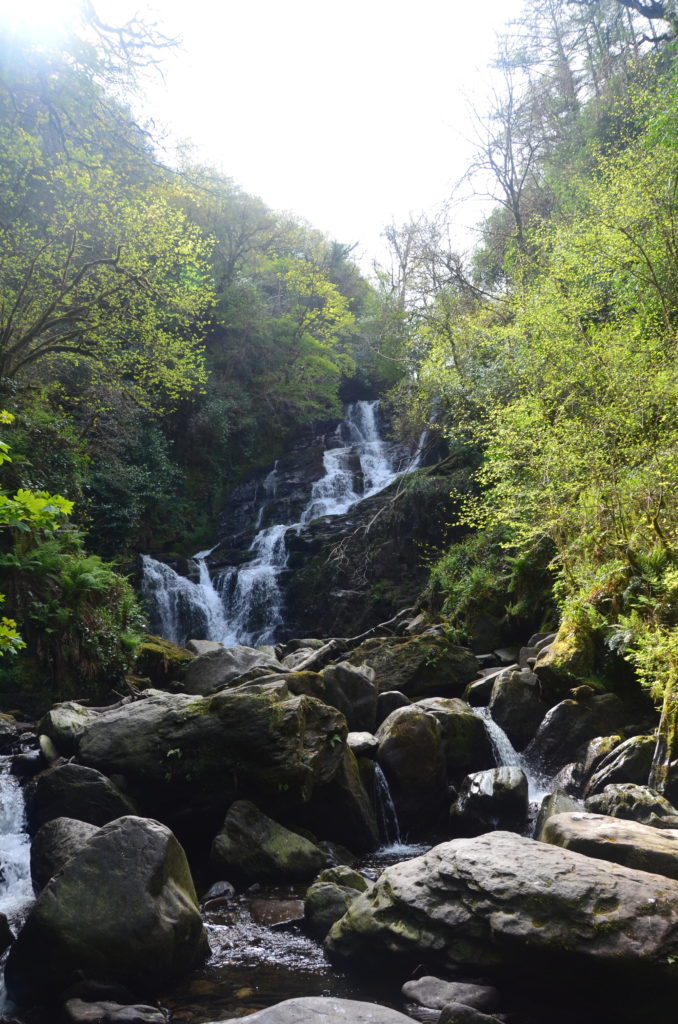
{"x": 538, "y": 784}
{"x": 245, "y": 603}
{"x": 16, "y": 886}
{"x": 387, "y": 819}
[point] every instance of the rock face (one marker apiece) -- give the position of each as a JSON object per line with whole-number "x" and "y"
{"x": 352, "y": 691}
{"x": 321, "y": 1010}
{"x": 624, "y": 842}
{"x": 570, "y": 725}
{"x": 186, "y": 757}
{"x": 54, "y": 845}
{"x": 215, "y": 669}
{"x": 494, "y": 799}
{"x": 74, "y": 791}
{"x": 630, "y": 761}
{"x": 465, "y": 741}
{"x": 634, "y": 803}
{"x": 65, "y": 724}
{"x": 412, "y": 756}
{"x": 516, "y": 705}
{"x": 251, "y": 847}
{"x": 421, "y": 666}
{"x": 123, "y": 911}
{"x": 500, "y": 899}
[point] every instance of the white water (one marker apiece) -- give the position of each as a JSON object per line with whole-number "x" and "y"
{"x": 538, "y": 784}
{"x": 387, "y": 818}
{"x": 244, "y": 604}
{"x": 16, "y": 886}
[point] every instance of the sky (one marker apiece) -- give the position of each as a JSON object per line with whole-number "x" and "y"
{"x": 352, "y": 115}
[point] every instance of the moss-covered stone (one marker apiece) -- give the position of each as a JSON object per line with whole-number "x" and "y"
{"x": 162, "y": 661}
{"x": 420, "y": 666}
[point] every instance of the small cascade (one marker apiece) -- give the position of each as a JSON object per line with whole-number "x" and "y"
{"x": 16, "y": 886}
{"x": 387, "y": 819}
{"x": 538, "y": 784}
{"x": 244, "y": 604}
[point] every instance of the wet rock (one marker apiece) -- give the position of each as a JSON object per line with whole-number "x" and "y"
{"x": 342, "y": 811}
{"x": 436, "y": 993}
{"x": 122, "y": 911}
{"x": 630, "y": 761}
{"x": 461, "y": 1013}
{"x": 9, "y": 732}
{"x": 484, "y": 901}
{"x": 74, "y": 791}
{"x": 570, "y": 779}
{"x": 341, "y": 874}
{"x": 623, "y": 842}
{"x": 479, "y": 692}
{"x": 558, "y": 802}
{"x": 6, "y": 934}
{"x": 78, "y": 1011}
{"x": 325, "y": 903}
{"x": 465, "y": 741}
{"x": 363, "y": 744}
{"x": 570, "y": 725}
{"x": 251, "y": 847}
{"x": 634, "y": 803}
{"x": 516, "y": 705}
{"x": 597, "y": 750}
{"x": 352, "y": 691}
{"x": 220, "y": 891}
{"x": 276, "y": 913}
{"x": 324, "y": 1010}
{"x": 493, "y": 799}
{"x": 336, "y": 854}
{"x": 209, "y": 672}
{"x": 64, "y": 724}
{"x": 54, "y": 845}
{"x": 423, "y": 666}
{"x": 27, "y": 766}
{"x": 388, "y": 701}
{"x": 412, "y": 757}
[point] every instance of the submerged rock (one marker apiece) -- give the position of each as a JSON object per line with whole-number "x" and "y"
{"x": 122, "y": 911}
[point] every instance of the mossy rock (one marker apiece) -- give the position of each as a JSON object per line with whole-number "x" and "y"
{"x": 162, "y": 661}
{"x": 420, "y": 666}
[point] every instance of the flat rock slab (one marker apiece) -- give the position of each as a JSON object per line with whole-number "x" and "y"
{"x": 320, "y": 1010}
{"x": 437, "y": 993}
{"x": 624, "y": 842}
{"x": 493, "y": 900}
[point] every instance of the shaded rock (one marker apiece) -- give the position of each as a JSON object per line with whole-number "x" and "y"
{"x": 436, "y": 993}
{"x": 277, "y": 914}
{"x": 54, "y": 845}
{"x": 6, "y": 934}
{"x": 337, "y": 855}
{"x": 493, "y": 799}
{"x": 344, "y": 875}
{"x": 465, "y": 741}
{"x": 484, "y": 901}
{"x": 341, "y": 810}
{"x": 462, "y": 1013}
{"x": 623, "y": 842}
{"x": 479, "y": 692}
{"x": 309, "y": 684}
{"x": 74, "y": 791}
{"x": 412, "y": 756}
{"x": 630, "y": 761}
{"x": 423, "y": 666}
{"x": 218, "y": 668}
{"x": 162, "y": 661}
{"x": 363, "y": 744}
{"x": 122, "y": 911}
{"x": 556, "y": 803}
{"x": 352, "y": 690}
{"x": 64, "y": 724}
{"x": 516, "y": 705}
{"x": 325, "y": 1010}
{"x": 388, "y": 701}
{"x": 9, "y": 731}
{"x": 251, "y": 847}
{"x": 597, "y": 750}
{"x": 634, "y": 803}
{"x": 572, "y": 724}
{"x": 325, "y": 903}
{"x": 80, "y": 1012}
{"x": 570, "y": 779}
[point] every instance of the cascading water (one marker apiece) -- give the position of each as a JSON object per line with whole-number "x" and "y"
{"x": 244, "y": 604}
{"x": 387, "y": 819}
{"x": 538, "y": 784}
{"x": 16, "y": 886}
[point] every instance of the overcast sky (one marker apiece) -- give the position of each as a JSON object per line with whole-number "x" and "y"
{"x": 350, "y": 114}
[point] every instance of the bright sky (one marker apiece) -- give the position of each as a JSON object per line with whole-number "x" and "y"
{"x": 351, "y": 114}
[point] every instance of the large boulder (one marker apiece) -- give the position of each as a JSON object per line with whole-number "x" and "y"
{"x": 64, "y": 724}
{"x": 209, "y": 672}
{"x": 325, "y": 903}
{"x": 163, "y": 662}
{"x": 630, "y": 761}
{"x": 324, "y": 1010}
{"x": 567, "y": 660}
{"x": 517, "y": 706}
{"x": 421, "y": 666}
{"x": 611, "y": 839}
{"x": 493, "y": 799}
{"x": 121, "y": 912}
{"x": 74, "y": 791}
{"x": 54, "y": 845}
{"x": 251, "y": 847}
{"x": 634, "y": 803}
{"x": 570, "y": 725}
{"x": 186, "y": 758}
{"x": 412, "y": 756}
{"x": 352, "y": 690}
{"x": 501, "y": 900}
{"x": 465, "y": 741}
{"x": 341, "y": 810}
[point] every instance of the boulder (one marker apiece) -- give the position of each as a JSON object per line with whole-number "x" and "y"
{"x": 210, "y": 672}
{"x": 423, "y": 666}
{"x": 163, "y": 662}
{"x": 9, "y": 732}
{"x": 558, "y": 802}
{"x": 634, "y": 803}
{"x": 199, "y": 647}
{"x": 465, "y": 741}
{"x": 479, "y": 692}
{"x": 341, "y": 810}
{"x": 412, "y": 756}
{"x": 436, "y": 993}
{"x": 363, "y": 744}
{"x": 78, "y": 1011}
{"x": 493, "y": 799}
{"x": 54, "y": 845}
{"x": 6, "y": 934}
{"x": 570, "y": 725}
{"x": 486, "y": 902}
{"x": 123, "y": 911}
{"x": 462, "y": 1013}
{"x": 341, "y": 874}
{"x": 352, "y": 691}
{"x": 251, "y": 847}
{"x": 324, "y": 1010}
{"x": 64, "y": 724}
{"x": 630, "y": 761}
{"x": 516, "y": 705}
{"x": 187, "y": 758}
{"x": 74, "y": 791}
{"x": 388, "y": 701}
{"x": 596, "y": 751}
{"x": 565, "y": 661}
{"x": 612, "y": 839}
{"x": 325, "y": 903}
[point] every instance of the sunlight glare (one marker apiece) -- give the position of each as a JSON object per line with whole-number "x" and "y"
{"x": 39, "y": 20}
